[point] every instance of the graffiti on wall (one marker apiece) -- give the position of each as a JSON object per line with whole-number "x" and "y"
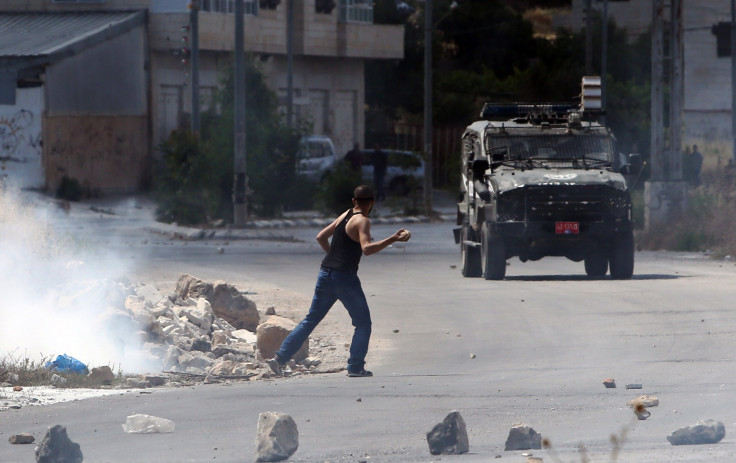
{"x": 17, "y": 141}
{"x": 21, "y": 150}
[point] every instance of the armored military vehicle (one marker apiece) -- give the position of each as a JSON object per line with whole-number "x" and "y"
{"x": 544, "y": 180}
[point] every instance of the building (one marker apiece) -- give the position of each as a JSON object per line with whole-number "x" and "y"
{"x": 707, "y": 82}
{"x": 89, "y": 88}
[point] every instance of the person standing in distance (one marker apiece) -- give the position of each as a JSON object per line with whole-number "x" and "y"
{"x": 338, "y": 280}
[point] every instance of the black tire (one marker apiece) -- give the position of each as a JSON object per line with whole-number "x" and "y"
{"x": 493, "y": 255}
{"x": 621, "y": 260}
{"x": 596, "y": 265}
{"x": 469, "y": 256}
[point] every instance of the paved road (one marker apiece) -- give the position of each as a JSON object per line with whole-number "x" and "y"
{"x": 543, "y": 340}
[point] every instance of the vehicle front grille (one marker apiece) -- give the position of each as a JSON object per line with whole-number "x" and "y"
{"x": 580, "y": 203}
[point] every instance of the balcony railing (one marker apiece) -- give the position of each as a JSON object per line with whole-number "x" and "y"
{"x": 356, "y": 11}
{"x": 228, "y": 6}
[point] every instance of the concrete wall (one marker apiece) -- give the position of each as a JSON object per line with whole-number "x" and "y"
{"x": 20, "y": 140}
{"x": 96, "y": 127}
{"x": 104, "y": 153}
{"x": 707, "y": 102}
{"x": 109, "y": 78}
{"x": 328, "y": 92}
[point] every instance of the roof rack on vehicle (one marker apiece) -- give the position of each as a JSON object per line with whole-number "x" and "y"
{"x": 547, "y": 111}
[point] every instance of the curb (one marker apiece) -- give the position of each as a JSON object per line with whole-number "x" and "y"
{"x": 269, "y": 229}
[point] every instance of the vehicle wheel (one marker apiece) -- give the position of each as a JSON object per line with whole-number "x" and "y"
{"x": 493, "y": 255}
{"x": 469, "y": 256}
{"x": 622, "y": 256}
{"x": 596, "y": 265}
{"x": 399, "y": 187}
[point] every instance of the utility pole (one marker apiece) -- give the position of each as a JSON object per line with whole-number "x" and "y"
{"x": 290, "y": 63}
{"x": 588, "y": 38}
{"x": 604, "y": 61}
{"x": 429, "y": 161}
{"x": 676, "y": 90}
{"x": 657, "y": 96}
{"x": 240, "y": 183}
{"x": 733, "y": 78}
{"x": 194, "y": 20}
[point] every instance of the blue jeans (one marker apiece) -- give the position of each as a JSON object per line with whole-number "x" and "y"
{"x": 333, "y": 285}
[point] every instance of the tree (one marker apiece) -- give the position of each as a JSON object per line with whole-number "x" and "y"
{"x": 196, "y": 178}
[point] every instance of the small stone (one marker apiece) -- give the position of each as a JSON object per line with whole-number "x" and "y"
{"x": 277, "y": 438}
{"x": 17, "y": 388}
{"x": 450, "y": 437}
{"x": 610, "y": 383}
{"x": 22, "y": 438}
{"x": 396, "y": 331}
{"x": 57, "y": 447}
{"x": 634, "y": 386}
{"x": 645, "y": 401}
{"x": 523, "y": 437}
{"x": 472, "y": 356}
{"x": 702, "y": 432}
{"x": 271, "y": 311}
{"x": 358, "y": 399}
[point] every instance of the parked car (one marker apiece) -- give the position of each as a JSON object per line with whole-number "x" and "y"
{"x": 316, "y": 157}
{"x": 405, "y": 169}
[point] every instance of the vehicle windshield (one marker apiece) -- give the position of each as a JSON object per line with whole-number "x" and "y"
{"x": 551, "y": 150}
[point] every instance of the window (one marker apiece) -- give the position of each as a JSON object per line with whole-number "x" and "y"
{"x": 228, "y": 6}
{"x": 356, "y": 11}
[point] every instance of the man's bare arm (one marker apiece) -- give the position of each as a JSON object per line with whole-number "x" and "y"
{"x": 369, "y": 247}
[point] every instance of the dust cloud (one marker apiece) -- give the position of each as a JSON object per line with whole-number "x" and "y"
{"x": 60, "y": 293}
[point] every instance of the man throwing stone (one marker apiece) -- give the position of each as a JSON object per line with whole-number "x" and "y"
{"x": 338, "y": 280}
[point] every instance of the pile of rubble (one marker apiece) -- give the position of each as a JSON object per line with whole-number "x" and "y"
{"x": 211, "y": 330}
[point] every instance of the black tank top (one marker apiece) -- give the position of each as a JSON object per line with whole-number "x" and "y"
{"x": 344, "y": 252}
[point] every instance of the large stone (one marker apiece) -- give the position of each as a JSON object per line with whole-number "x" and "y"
{"x": 101, "y": 375}
{"x": 271, "y": 333}
{"x": 56, "y": 447}
{"x": 450, "y": 437}
{"x": 702, "y": 432}
{"x": 523, "y": 437}
{"x": 278, "y": 437}
{"x": 227, "y": 302}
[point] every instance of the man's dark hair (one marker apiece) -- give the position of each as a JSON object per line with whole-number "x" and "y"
{"x": 363, "y": 193}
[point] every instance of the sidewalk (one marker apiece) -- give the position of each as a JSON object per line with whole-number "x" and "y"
{"x": 139, "y": 212}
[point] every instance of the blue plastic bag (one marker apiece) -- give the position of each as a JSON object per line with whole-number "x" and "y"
{"x": 67, "y": 364}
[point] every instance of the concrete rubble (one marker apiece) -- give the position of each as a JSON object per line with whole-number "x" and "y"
{"x": 702, "y": 432}
{"x": 278, "y": 437}
{"x": 450, "y": 437}
{"x": 523, "y": 437}
{"x": 56, "y": 447}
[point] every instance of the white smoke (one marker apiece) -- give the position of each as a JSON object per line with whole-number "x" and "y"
{"x": 60, "y": 294}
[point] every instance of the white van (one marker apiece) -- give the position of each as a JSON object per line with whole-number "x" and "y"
{"x": 316, "y": 157}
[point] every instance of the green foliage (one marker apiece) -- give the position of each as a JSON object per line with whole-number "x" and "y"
{"x": 336, "y": 190}
{"x": 183, "y": 193}
{"x": 196, "y": 179}
{"x": 486, "y": 51}
{"x": 69, "y": 189}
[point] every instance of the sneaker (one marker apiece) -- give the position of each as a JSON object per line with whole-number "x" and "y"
{"x": 360, "y": 374}
{"x": 275, "y": 365}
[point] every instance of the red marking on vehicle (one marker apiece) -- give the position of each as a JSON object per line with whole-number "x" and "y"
{"x": 567, "y": 228}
